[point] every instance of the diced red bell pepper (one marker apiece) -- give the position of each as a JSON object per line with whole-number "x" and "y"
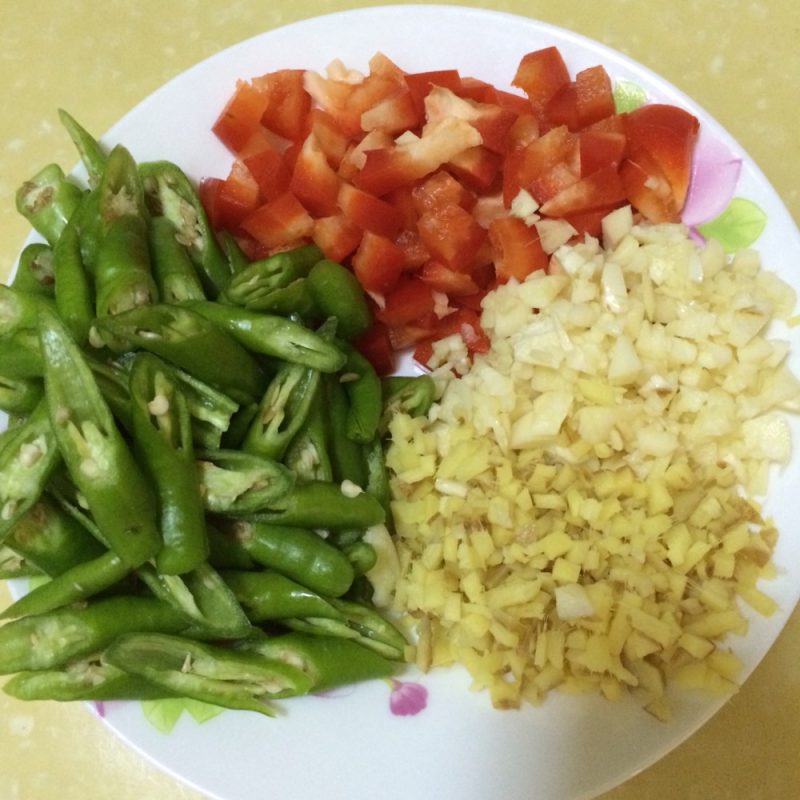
{"x": 333, "y": 141}
{"x": 280, "y": 222}
{"x": 562, "y": 108}
{"x": 516, "y": 248}
{"x": 269, "y": 170}
{"x": 237, "y": 197}
{"x": 208, "y": 189}
{"x": 415, "y": 254}
{"x": 336, "y": 236}
{"x": 376, "y": 347}
{"x": 602, "y": 189}
{"x": 288, "y": 103}
{"x": 393, "y": 114}
{"x": 595, "y": 99}
{"x": 409, "y": 301}
{"x": 600, "y": 149}
{"x": 378, "y": 263}
{"x": 369, "y": 212}
{"x": 540, "y": 75}
{"x": 410, "y": 333}
{"x": 420, "y": 83}
{"x": 241, "y": 116}
{"x": 314, "y": 182}
{"x": 448, "y": 281}
{"x": 439, "y": 190}
{"x": 451, "y": 235}
{"x": 464, "y": 322}
{"x": 477, "y": 167}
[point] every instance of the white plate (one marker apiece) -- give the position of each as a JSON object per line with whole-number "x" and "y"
{"x": 351, "y": 745}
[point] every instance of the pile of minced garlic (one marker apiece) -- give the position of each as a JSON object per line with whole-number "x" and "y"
{"x": 576, "y": 511}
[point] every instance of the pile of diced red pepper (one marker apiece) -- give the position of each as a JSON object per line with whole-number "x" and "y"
{"x": 409, "y": 178}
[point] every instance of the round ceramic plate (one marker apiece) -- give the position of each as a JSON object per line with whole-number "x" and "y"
{"x": 429, "y": 736}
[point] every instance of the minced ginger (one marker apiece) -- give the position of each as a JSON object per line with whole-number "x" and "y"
{"x": 576, "y": 511}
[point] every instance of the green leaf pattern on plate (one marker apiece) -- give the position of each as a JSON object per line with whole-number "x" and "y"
{"x": 738, "y": 226}
{"x": 164, "y": 714}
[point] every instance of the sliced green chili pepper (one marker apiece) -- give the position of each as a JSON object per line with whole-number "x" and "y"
{"x": 412, "y": 395}
{"x": 163, "y": 436}
{"x": 328, "y": 661}
{"x": 123, "y": 276}
{"x": 97, "y": 457}
{"x": 13, "y": 565}
{"x": 374, "y": 630}
{"x": 347, "y": 456}
{"x": 73, "y": 289}
{"x": 190, "y": 341}
{"x": 27, "y": 459}
{"x": 51, "y": 539}
{"x": 19, "y": 395}
{"x": 378, "y": 476}
{"x": 204, "y": 599}
{"x": 273, "y": 335}
{"x": 35, "y": 273}
{"x": 222, "y": 676}
{"x": 362, "y": 556}
{"x": 237, "y": 258}
{"x": 226, "y": 551}
{"x": 318, "y": 504}
{"x": 77, "y": 583}
{"x": 294, "y": 299}
{"x": 48, "y": 200}
{"x": 298, "y": 553}
{"x": 363, "y": 389}
{"x": 260, "y": 278}
{"x": 19, "y": 310}
{"x": 112, "y": 381}
{"x": 170, "y": 193}
{"x": 173, "y": 267}
{"x": 307, "y": 455}
{"x": 20, "y": 354}
{"x": 239, "y": 425}
{"x": 283, "y": 410}
{"x": 239, "y": 483}
{"x": 211, "y": 410}
{"x": 87, "y": 680}
{"x": 92, "y": 154}
{"x": 49, "y": 640}
{"x": 267, "y": 596}
{"x": 337, "y": 293}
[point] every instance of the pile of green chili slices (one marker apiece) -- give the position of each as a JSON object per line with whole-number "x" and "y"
{"x": 194, "y": 455}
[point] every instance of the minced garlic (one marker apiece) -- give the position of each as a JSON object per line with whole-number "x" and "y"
{"x": 575, "y": 511}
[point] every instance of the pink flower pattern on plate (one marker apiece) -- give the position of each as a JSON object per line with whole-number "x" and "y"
{"x": 407, "y": 698}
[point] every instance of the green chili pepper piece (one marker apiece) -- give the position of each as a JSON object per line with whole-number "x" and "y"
{"x": 120, "y": 191}
{"x": 83, "y": 681}
{"x": 282, "y": 411}
{"x": 97, "y": 457}
{"x": 363, "y": 389}
{"x": 112, "y": 381}
{"x": 239, "y": 483}
{"x": 294, "y": 299}
{"x": 318, "y": 504}
{"x": 19, "y": 310}
{"x": 77, "y": 583}
{"x": 362, "y": 556}
{"x": 307, "y": 455}
{"x": 13, "y": 565}
{"x": 27, "y": 459}
{"x": 267, "y": 595}
{"x": 173, "y": 267}
{"x": 51, "y": 539}
{"x": 347, "y": 456}
{"x": 68, "y": 633}
{"x": 378, "y": 477}
{"x": 73, "y": 289}
{"x": 239, "y": 425}
{"x": 375, "y": 630}
{"x": 20, "y": 354}
{"x": 35, "y": 273}
{"x": 329, "y": 661}
{"x": 258, "y": 279}
{"x": 412, "y": 395}
{"x": 190, "y": 341}
{"x": 19, "y": 395}
{"x": 48, "y": 200}
{"x": 163, "y": 437}
{"x": 272, "y": 335}
{"x": 211, "y": 410}
{"x": 203, "y": 597}
{"x": 298, "y": 553}
{"x": 337, "y": 293}
{"x": 226, "y": 551}
{"x": 222, "y": 676}
{"x": 123, "y": 276}
{"x": 170, "y": 193}
{"x": 91, "y": 153}
{"x": 90, "y": 225}
{"x": 237, "y": 258}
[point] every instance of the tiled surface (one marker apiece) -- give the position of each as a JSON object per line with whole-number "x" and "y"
{"x": 739, "y": 59}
